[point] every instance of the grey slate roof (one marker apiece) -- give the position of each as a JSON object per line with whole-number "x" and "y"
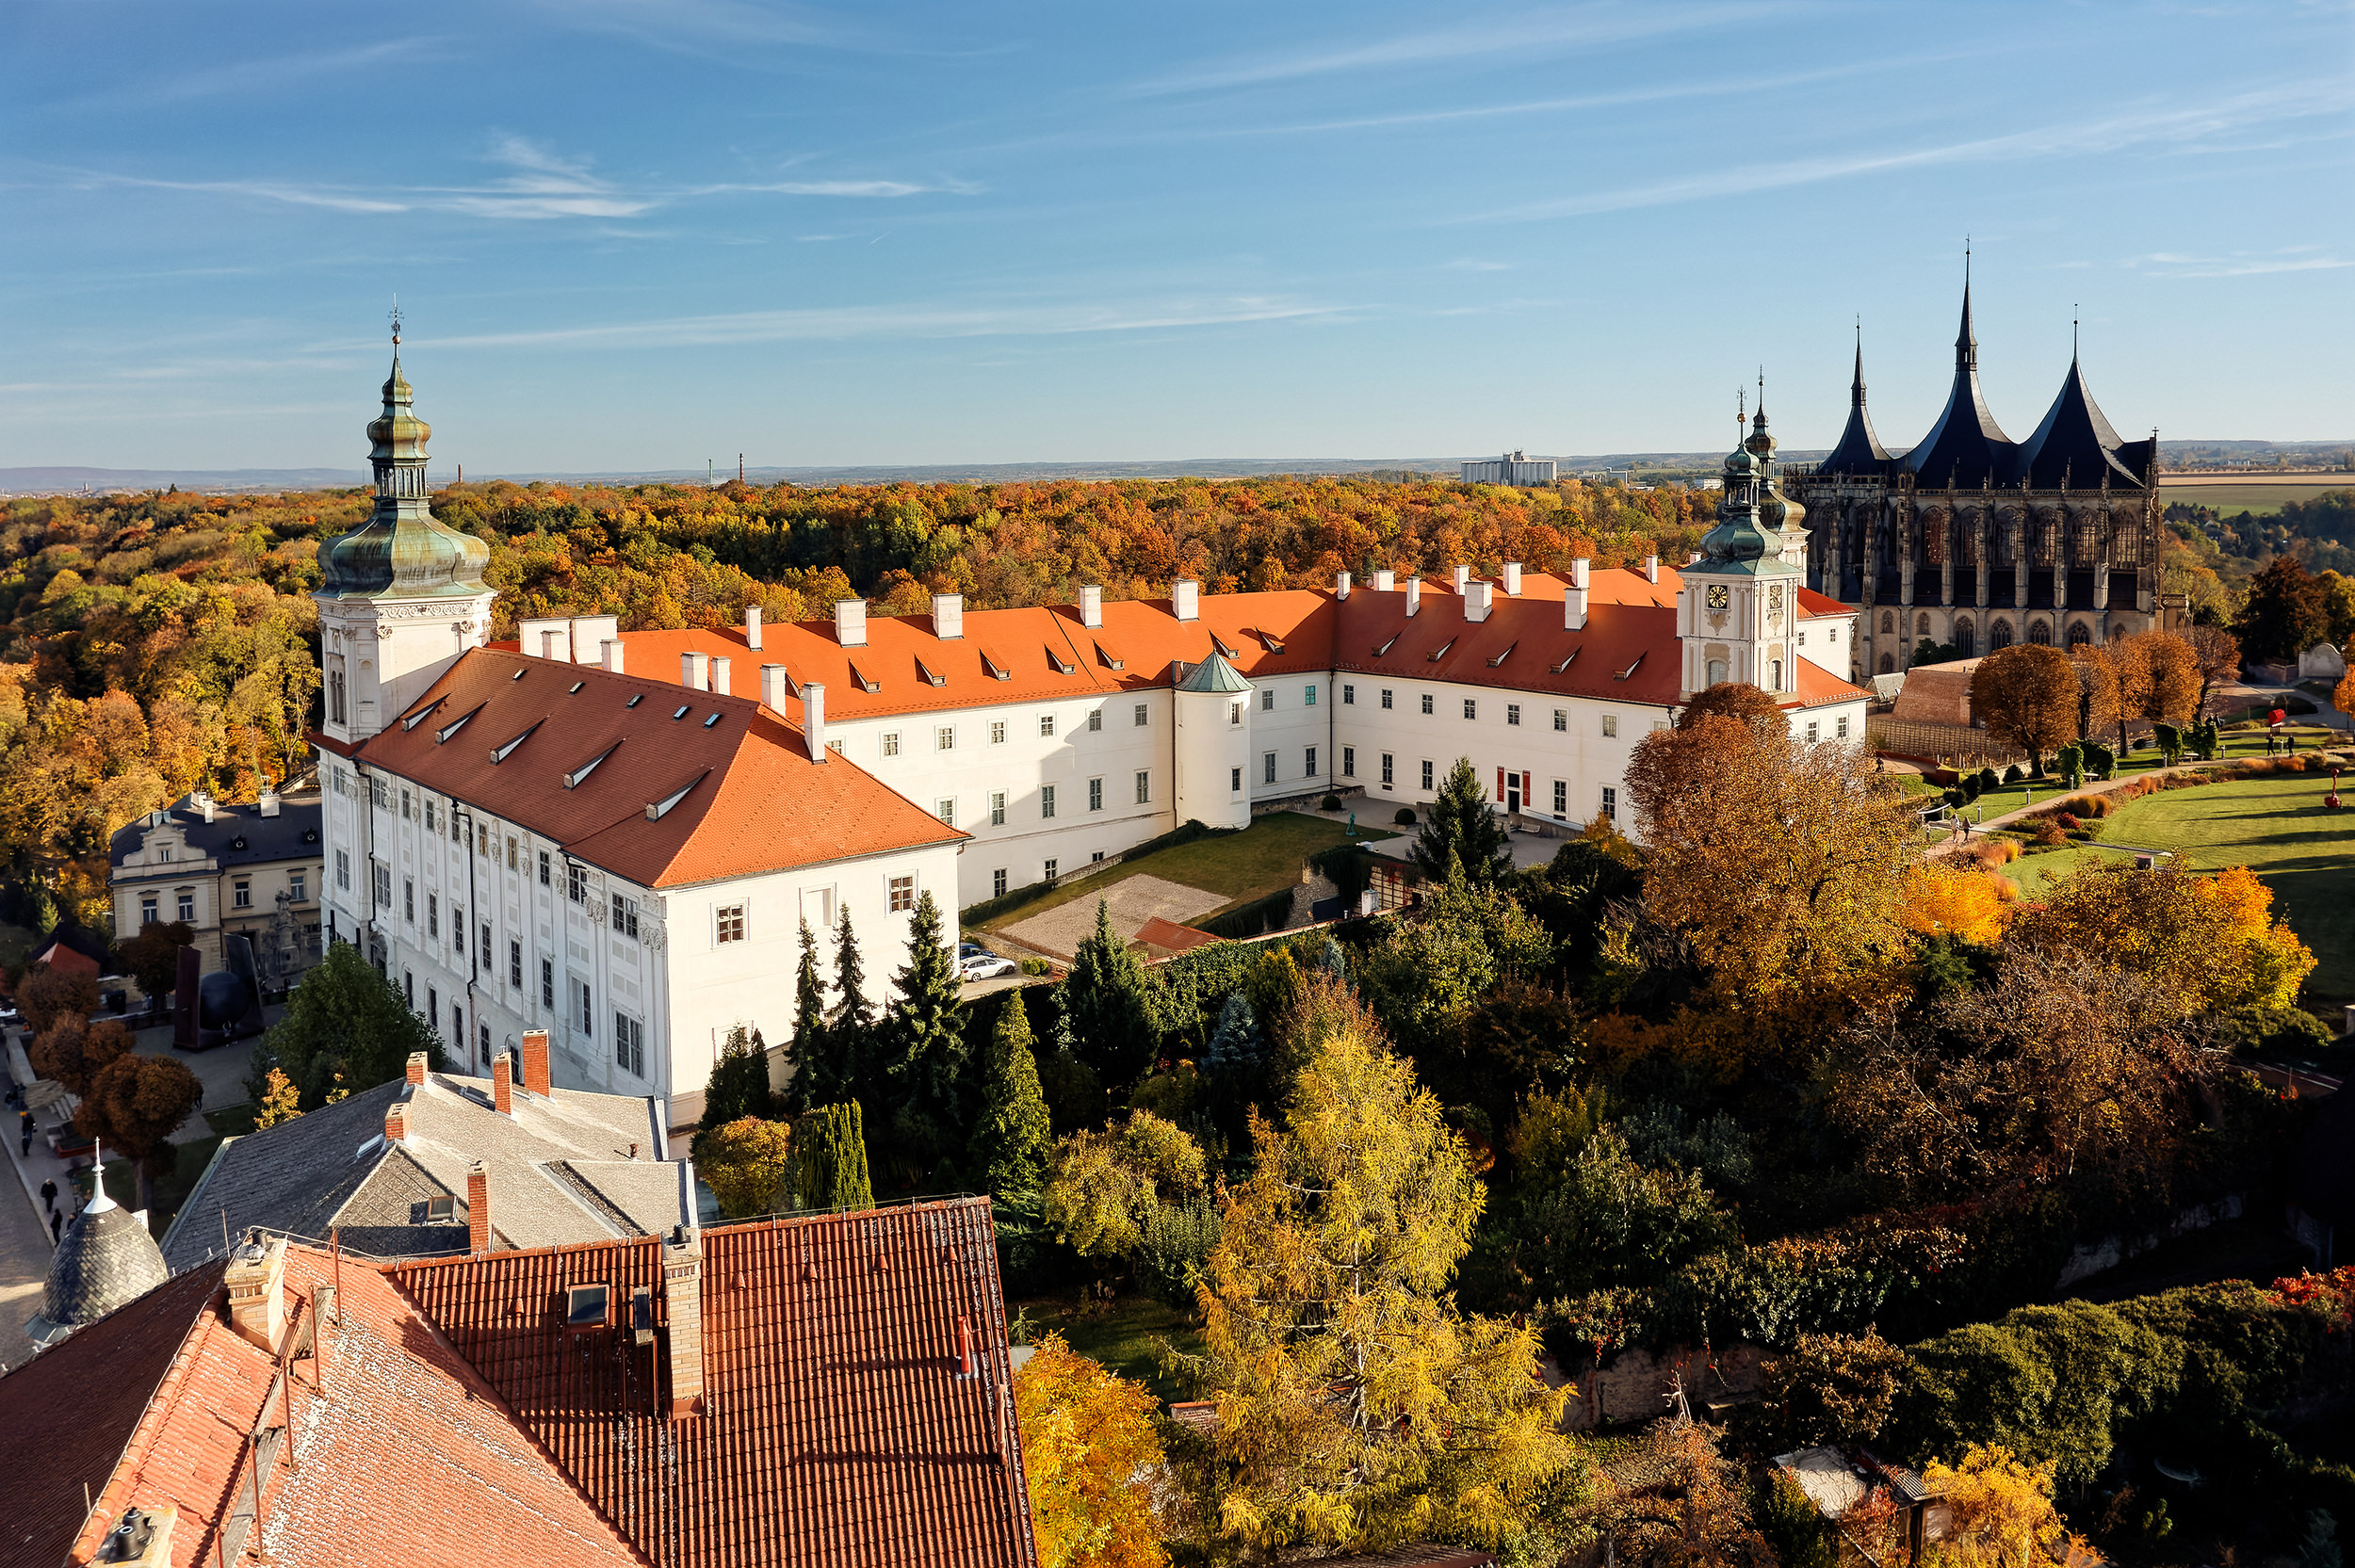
{"x": 236, "y": 836}
{"x": 567, "y": 1168}
{"x": 106, "y": 1260}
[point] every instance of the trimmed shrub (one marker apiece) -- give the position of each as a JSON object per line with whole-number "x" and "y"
{"x": 1331, "y": 803}
{"x": 2012, "y": 774}
{"x": 1405, "y": 817}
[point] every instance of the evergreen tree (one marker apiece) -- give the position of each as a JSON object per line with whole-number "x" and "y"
{"x": 740, "y": 1082}
{"x": 850, "y": 1023}
{"x": 832, "y": 1161}
{"x": 1234, "y": 1061}
{"x": 816, "y": 1079}
{"x": 1109, "y": 1002}
{"x": 1460, "y": 825}
{"x": 1009, "y": 1142}
{"x": 921, "y": 1051}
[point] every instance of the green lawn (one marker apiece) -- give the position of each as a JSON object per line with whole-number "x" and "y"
{"x": 2237, "y": 743}
{"x": 1128, "y": 1338}
{"x": 1243, "y": 866}
{"x": 2259, "y": 499}
{"x": 2037, "y": 874}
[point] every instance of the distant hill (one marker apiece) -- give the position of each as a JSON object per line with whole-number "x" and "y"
{"x": 49, "y": 481}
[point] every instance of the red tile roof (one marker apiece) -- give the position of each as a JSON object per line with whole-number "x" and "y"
{"x": 754, "y": 799}
{"x": 834, "y": 1418}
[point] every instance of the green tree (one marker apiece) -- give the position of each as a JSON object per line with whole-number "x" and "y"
{"x": 1605, "y": 1220}
{"x": 925, "y": 1050}
{"x": 1234, "y": 1061}
{"x": 1834, "y": 1389}
{"x": 739, "y": 1086}
{"x": 134, "y": 1105}
{"x": 1109, "y": 1001}
{"x": 831, "y": 1173}
{"x": 817, "y": 1079}
{"x": 851, "y": 1025}
{"x": 1012, "y": 1138}
{"x": 1459, "y": 828}
{"x": 344, "y": 1021}
{"x": 1427, "y": 975}
{"x": 747, "y": 1163}
{"x": 1356, "y": 1407}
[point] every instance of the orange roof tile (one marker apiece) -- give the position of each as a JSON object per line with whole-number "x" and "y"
{"x": 754, "y": 800}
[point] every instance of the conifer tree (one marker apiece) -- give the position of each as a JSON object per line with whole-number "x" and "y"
{"x": 1010, "y": 1142}
{"x": 816, "y": 1079}
{"x": 831, "y": 1168}
{"x": 1460, "y": 825}
{"x": 850, "y": 1023}
{"x": 1233, "y": 1060}
{"x": 1109, "y": 1002}
{"x": 925, "y": 1053}
{"x": 739, "y": 1081}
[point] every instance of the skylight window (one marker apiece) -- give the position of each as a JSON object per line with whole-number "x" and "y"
{"x": 422, "y": 714}
{"x": 516, "y": 677}
{"x": 681, "y": 713}
{"x": 711, "y": 721}
{"x": 576, "y": 686}
{"x": 500, "y": 754}
{"x": 635, "y": 699}
{"x": 585, "y": 1306}
{"x": 658, "y": 810}
{"x": 573, "y": 780}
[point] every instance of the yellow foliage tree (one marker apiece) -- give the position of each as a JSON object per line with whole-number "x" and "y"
{"x": 1356, "y": 1407}
{"x": 1104, "y": 1185}
{"x": 2001, "y": 1515}
{"x": 1088, "y": 1450}
{"x": 1940, "y": 900}
{"x": 280, "y": 1101}
{"x": 2211, "y": 942}
{"x": 746, "y": 1164}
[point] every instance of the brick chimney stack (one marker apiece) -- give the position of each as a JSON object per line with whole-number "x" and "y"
{"x": 478, "y": 1208}
{"x": 257, "y": 1289}
{"x": 503, "y": 1084}
{"x": 418, "y": 1062}
{"x": 536, "y": 1061}
{"x": 683, "y": 1304}
{"x": 397, "y": 1123}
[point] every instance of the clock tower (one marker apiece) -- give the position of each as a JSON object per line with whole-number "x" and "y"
{"x": 1738, "y": 614}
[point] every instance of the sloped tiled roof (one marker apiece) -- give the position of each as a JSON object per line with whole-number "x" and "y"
{"x": 836, "y": 1425}
{"x": 754, "y": 800}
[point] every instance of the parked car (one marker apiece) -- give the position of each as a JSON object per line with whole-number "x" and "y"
{"x": 968, "y": 948}
{"x": 985, "y": 967}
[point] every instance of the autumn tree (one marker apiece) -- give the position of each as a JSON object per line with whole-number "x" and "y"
{"x": 2205, "y": 942}
{"x": 1733, "y": 700}
{"x": 153, "y": 957}
{"x": 2215, "y": 654}
{"x": 1460, "y": 830}
{"x": 2172, "y": 687}
{"x": 1946, "y": 900}
{"x": 1105, "y": 1185}
{"x": 2027, "y": 696}
{"x": 2000, "y": 1514}
{"x": 747, "y": 1163}
{"x": 72, "y": 1051}
{"x": 135, "y": 1103}
{"x": 47, "y": 994}
{"x": 1833, "y": 1388}
{"x": 1090, "y": 1452}
{"x": 2286, "y": 612}
{"x": 280, "y": 1101}
{"x": 1356, "y": 1407}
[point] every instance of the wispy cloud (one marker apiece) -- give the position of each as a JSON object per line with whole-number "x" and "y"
{"x": 2238, "y": 264}
{"x": 252, "y": 79}
{"x": 1468, "y": 264}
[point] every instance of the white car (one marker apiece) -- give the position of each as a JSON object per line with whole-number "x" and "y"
{"x": 985, "y": 967}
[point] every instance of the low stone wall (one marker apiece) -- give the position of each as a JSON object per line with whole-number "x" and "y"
{"x": 2090, "y": 1258}
{"x": 1635, "y": 1384}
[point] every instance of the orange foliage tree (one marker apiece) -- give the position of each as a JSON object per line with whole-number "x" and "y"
{"x": 2027, "y": 696}
{"x": 1942, "y": 900}
{"x": 1089, "y": 1451}
{"x": 2207, "y": 942}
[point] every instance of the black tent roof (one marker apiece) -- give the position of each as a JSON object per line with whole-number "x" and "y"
{"x": 2076, "y": 444}
{"x": 1859, "y": 450}
{"x": 1966, "y": 447}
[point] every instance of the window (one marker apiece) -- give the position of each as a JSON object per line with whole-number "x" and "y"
{"x": 1234, "y": 712}
{"x": 163, "y": 854}
{"x": 1472, "y": 708}
{"x": 625, "y": 916}
{"x": 510, "y": 852}
{"x": 891, "y": 743}
{"x": 433, "y": 1010}
{"x": 1389, "y": 766}
{"x": 1831, "y": 634}
{"x": 431, "y": 823}
{"x": 576, "y": 883}
{"x": 1426, "y": 775}
{"x": 1046, "y": 800}
{"x": 147, "y": 912}
{"x": 487, "y": 959}
{"x": 1144, "y": 786}
{"x": 1309, "y": 697}
{"x": 1426, "y": 703}
{"x": 482, "y": 839}
{"x": 408, "y": 898}
{"x": 188, "y": 907}
{"x": 1811, "y": 734}
{"x": 1349, "y": 695}
{"x": 1310, "y": 768}
{"x": 588, "y": 1015}
{"x": 1386, "y": 697}
{"x": 997, "y": 731}
{"x": 1095, "y": 718}
{"x": 1561, "y": 798}
{"x": 380, "y": 793}
{"x": 298, "y": 887}
{"x": 482, "y": 1038}
{"x": 1051, "y": 866}
{"x": 1841, "y": 730}
{"x": 1777, "y": 677}
{"x": 1267, "y": 699}
{"x": 342, "y": 869}
{"x": 404, "y": 803}
{"x": 241, "y": 897}
{"x": 1610, "y": 725}
{"x": 997, "y": 882}
{"x": 1046, "y": 723}
{"x": 945, "y": 738}
{"x": 902, "y": 895}
{"x": 384, "y": 876}
{"x": 1512, "y": 713}
{"x": 946, "y": 809}
{"x": 1562, "y": 719}
{"x": 545, "y": 868}
{"x": 442, "y": 1208}
{"x": 547, "y": 982}
{"x": 1096, "y": 795}
{"x": 433, "y": 914}
{"x": 731, "y": 919}
{"x": 996, "y": 808}
{"x": 457, "y": 1024}
{"x": 514, "y": 964}
{"x": 1267, "y": 768}
{"x": 1715, "y": 673}
{"x": 1234, "y": 779}
{"x": 1610, "y": 805}
{"x": 1349, "y": 762}
{"x": 336, "y": 700}
{"x": 629, "y": 1044}
{"x": 1143, "y": 715}
{"x": 457, "y": 940}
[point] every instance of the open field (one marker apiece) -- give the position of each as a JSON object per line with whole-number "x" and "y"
{"x": 2230, "y": 496}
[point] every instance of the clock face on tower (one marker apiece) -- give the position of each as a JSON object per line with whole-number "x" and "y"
{"x": 1717, "y": 595}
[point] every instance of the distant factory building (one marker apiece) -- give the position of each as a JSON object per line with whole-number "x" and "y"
{"x": 1511, "y": 469}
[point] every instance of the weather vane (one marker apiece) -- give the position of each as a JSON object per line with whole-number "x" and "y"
{"x": 395, "y": 315}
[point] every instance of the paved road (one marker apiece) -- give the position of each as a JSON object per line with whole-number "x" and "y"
{"x": 24, "y": 1266}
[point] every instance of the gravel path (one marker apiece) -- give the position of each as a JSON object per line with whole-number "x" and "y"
{"x": 1133, "y": 901}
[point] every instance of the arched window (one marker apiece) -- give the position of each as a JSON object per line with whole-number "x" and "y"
{"x": 1999, "y": 635}
{"x": 1778, "y": 676}
{"x": 2040, "y": 633}
{"x": 1889, "y": 623}
{"x": 1716, "y": 671}
{"x": 2078, "y": 635}
{"x": 1888, "y": 665}
{"x": 1922, "y": 625}
{"x": 335, "y": 697}
{"x": 1966, "y": 638}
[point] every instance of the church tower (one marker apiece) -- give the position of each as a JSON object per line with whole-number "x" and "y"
{"x": 1738, "y": 610}
{"x": 400, "y": 596}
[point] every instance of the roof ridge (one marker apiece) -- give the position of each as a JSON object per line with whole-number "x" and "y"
{"x": 153, "y": 1416}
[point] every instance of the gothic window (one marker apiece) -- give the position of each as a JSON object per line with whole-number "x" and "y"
{"x": 1888, "y": 665}
{"x": 1922, "y": 625}
{"x": 2040, "y": 633}
{"x": 1889, "y": 623}
{"x": 1999, "y": 635}
{"x": 1966, "y": 642}
{"x": 2078, "y": 635}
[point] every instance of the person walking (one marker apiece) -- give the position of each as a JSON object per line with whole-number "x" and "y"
{"x": 25, "y": 1123}
{"x": 49, "y": 1196}
{"x": 57, "y": 1228}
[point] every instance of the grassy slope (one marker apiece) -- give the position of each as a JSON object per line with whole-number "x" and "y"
{"x": 1128, "y": 1338}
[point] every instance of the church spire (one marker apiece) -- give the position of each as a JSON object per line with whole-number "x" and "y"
{"x": 1856, "y": 388}
{"x": 1966, "y": 341}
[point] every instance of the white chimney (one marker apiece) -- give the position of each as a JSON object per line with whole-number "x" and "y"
{"x": 949, "y": 616}
{"x": 1385, "y": 581}
{"x": 1463, "y": 575}
{"x": 1512, "y": 579}
{"x": 850, "y": 622}
{"x": 588, "y": 631}
{"x": 270, "y": 802}
{"x": 719, "y": 674}
{"x": 611, "y": 648}
{"x": 690, "y": 671}
{"x": 1651, "y": 569}
{"x": 775, "y": 687}
{"x": 1574, "y": 598}
{"x": 203, "y": 802}
{"x": 1185, "y": 599}
{"x": 1414, "y": 597}
{"x": 547, "y": 645}
{"x": 814, "y": 719}
{"x": 1579, "y": 569}
{"x": 1091, "y": 605}
{"x": 1341, "y": 586}
{"x": 1476, "y": 601}
{"x": 752, "y": 627}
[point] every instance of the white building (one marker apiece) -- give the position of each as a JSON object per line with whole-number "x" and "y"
{"x": 616, "y": 836}
{"x": 1513, "y": 468}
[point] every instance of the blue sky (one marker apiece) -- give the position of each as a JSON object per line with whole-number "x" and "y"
{"x": 639, "y": 234}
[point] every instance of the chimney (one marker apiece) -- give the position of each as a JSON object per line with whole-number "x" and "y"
{"x": 949, "y": 616}
{"x": 268, "y": 803}
{"x": 1414, "y": 597}
{"x": 1384, "y": 581}
{"x": 1512, "y": 579}
{"x": 611, "y": 648}
{"x": 1574, "y": 598}
{"x": 141, "y": 1538}
{"x": 478, "y": 1208}
{"x": 690, "y": 671}
{"x": 683, "y": 1304}
{"x": 965, "y": 1346}
{"x": 257, "y": 1289}
{"x": 1341, "y": 586}
{"x": 503, "y": 1084}
{"x": 850, "y": 622}
{"x": 203, "y": 802}
{"x": 1651, "y": 569}
{"x": 1477, "y": 601}
{"x": 396, "y": 1122}
{"x": 1185, "y": 599}
{"x": 1463, "y": 576}
{"x": 547, "y": 645}
{"x": 814, "y": 719}
{"x": 1092, "y": 606}
{"x": 536, "y": 1061}
{"x": 720, "y": 663}
{"x": 418, "y": 1062}
{"x": 775, "y": 687}
{"x": 752, "y": 627}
